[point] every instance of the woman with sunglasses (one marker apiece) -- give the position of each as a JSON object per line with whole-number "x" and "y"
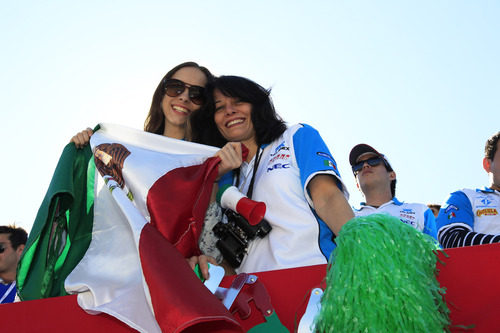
{"x": 290, "y": 169}
{"x": 180, "y": 92}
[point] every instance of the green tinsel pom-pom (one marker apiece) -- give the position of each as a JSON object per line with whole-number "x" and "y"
{"x": 381, "y": 278}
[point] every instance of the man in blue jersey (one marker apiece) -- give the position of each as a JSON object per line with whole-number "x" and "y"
{"x": 377, "y": 181}
{"x": 12, "y": 241}
{"x": 471, "y": 217}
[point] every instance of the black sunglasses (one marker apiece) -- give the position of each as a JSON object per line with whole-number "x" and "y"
{"x": 374, "y": 161}
{"x": 174, "y": 88}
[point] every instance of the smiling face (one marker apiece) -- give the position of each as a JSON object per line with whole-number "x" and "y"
{"x": 177, "y": 109}
{"x": 233, "y": 119}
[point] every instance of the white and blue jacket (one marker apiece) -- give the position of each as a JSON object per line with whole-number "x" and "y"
{"x": 298, "y": 236}
{"x": 470, "y": 217}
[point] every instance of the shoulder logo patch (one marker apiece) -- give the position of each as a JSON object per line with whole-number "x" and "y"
{"x": 449, "y": 208}
{"x": 329, "y": 162}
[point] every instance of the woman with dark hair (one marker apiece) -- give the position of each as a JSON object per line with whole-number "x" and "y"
{"x": 268, "y": 125}
{"x": 290, "y": 169}
{"x": 180, "y": 92}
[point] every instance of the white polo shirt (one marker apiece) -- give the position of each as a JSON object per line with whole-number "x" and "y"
{"x": 298, "y": 236}
{"x": 417, "y": 215}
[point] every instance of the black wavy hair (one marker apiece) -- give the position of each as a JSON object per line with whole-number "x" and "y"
{"x": 267, "y": 124}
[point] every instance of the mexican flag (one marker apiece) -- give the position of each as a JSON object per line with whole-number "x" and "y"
{"x": 115, "y": 227}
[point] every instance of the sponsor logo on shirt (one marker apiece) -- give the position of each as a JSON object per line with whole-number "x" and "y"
{"x": 407, "y": 215}
{"x": 279, "y": 157}
{"x": 450, "y": 207}
{"x": 412, "y": 223}
{"x": 487, "y": 212}
{"x": 280, "y": 147}
{"x": 484, "y": 201}
{"x": 408, "y": 211}
{"x": 410, "y": 217}
{"x": 278, "y": 166}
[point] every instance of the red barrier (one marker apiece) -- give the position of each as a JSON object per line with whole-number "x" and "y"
{"x": 468, "y": 274}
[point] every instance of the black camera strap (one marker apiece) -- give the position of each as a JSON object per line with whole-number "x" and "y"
{"x": 254, "y": 172}
{"x": 236, "y": 233}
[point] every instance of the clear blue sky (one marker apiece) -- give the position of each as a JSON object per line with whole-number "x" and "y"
{"x": 420, "y": 81}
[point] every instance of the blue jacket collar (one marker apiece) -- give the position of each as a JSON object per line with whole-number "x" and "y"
{"x": 487, "y": 190}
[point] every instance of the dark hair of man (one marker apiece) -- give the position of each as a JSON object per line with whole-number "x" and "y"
{"x": 490, "y": 149}
{"x": 434, "y": 206}
{"x": 393, "y": 182}
{"x": 155, "y": 121}
{"x": 17, "y": 235}
{"x": 267, "y": 124}
{"x": 393, "y": 188}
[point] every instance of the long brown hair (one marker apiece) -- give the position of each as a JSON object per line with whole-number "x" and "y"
{"x": 155, "y": 121}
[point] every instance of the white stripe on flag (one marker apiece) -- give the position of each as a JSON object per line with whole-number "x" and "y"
{"x": 109, "y": 278}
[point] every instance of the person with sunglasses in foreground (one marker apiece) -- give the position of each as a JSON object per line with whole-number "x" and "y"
{"x": 376, "y": 179}
{"x": 12, "y": 242}
{"x": 180, "y": 92}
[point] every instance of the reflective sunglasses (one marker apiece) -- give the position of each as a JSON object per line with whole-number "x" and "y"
{"x": 374, "y": 161}
{"x": 174, "y": 88}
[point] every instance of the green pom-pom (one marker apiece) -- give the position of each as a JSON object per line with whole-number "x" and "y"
{"x": 381, "y": 278}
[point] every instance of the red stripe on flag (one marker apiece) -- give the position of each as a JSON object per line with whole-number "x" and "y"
{"x": 180, "y": 300}
{"x": 177, "y": 203}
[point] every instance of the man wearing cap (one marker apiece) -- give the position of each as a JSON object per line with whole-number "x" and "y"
{"x": 471, "y": 217}
{"x": 377, "y": 181}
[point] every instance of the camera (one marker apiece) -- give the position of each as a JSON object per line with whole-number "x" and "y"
{"x": 235, "y": 235}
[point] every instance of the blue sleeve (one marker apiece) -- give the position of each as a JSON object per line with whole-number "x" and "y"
{"x": 312, "y": 154}
{"x": 457, "y": 209}
{"x": 226, "y": 179}
{"x": 430, "y": 224}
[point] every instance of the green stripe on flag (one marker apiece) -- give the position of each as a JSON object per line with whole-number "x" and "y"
{"x": 62, "y": 230}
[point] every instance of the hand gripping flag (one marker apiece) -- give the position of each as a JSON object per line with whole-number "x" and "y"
{"x": 136, "y": 211}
